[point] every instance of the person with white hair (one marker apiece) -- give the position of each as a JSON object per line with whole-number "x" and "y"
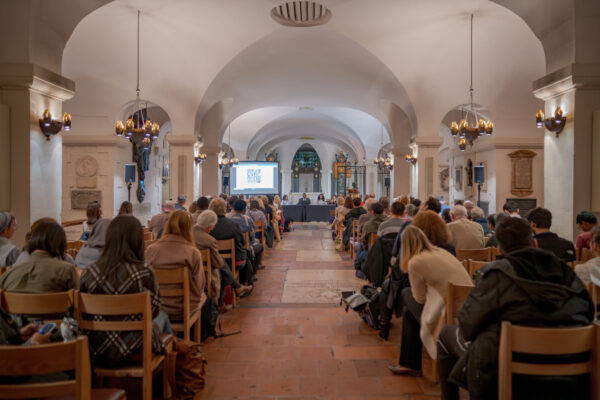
{"x": 477, "y": 215}
{"x": 203, "y": 239}
{"x": 469, "y": 206}
{"x": 9, "y": 252}
{"x": 157, "y": 223}
{"x": 465, "y": 234}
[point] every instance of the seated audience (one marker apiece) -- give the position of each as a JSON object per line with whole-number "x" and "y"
{"x": 285, "y": 201}
{"x": 91, "y": 251}
{"x": 45, "y": 271}
{"x": 429, "y": 269}
{"x": 321, "y": 200}
{"x": 343, "y": 208}
{"x": 277, "y": 203}
{"x": 393, "y": 224}
{"x": 477, "y": 215}
{"x": 511, "y": 209}
{"x": 201, "y": 205}
{"x": 24, "y": 256}
{"x": 304, "y": 201}
{"x": 411, "y": 210}
{"x": 435, "y": 229}
{"x": 385, "y": 203}
{"x": 352, "y": 215}
{"x": 9, "y": 252}
{"x": 540, "y": 220}
{"x": 432, "y": 204}
{"x": 373, "y": 224}
{"x": 444, "y": 206}
{"x": 123, "y": 256}
{"x": 589, "y": 271}
{"x": 180, "y": 205}
{"x": 465, "y": 234}
{"x": 201, "y": 232}
{"x": 333, "y": 200}
{"x": 363, "y": 219}
{"x": 446, "y": 215}
{"x": 528, "y": 287}
{"x": 275, "y": 218}
{"x": 585, "y": 220}
{"x": 468, "y": 204}
{"x": 157, "y": 223}
{"x": 193, "y": 208}
{"x": 493, "y": 223}
{"x": 247, "y": 225}
{"x": 12, "y": 334}
{"x": 93, "y": 214}
{"x": 126, "y": 208}
{"x": 176, "y": 249}
{"x": 256, "y": 214}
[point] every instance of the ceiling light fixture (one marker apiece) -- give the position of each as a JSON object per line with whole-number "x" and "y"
{"x": 51, "y": 126}
{"x": 466, "y": 132}
{"x": 410, "y": 158}
{"x": 228, "y": 158}
{"x": 554, "y": 124}
{"x": 383, "y": 160}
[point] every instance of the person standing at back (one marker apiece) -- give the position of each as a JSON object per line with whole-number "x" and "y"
{"x": 465, "y": 234}
{"x": 540, "y": 220}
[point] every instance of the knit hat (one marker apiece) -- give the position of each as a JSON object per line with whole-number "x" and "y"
{"x": 239, "y": 205}
{"x": 5, "y": 218}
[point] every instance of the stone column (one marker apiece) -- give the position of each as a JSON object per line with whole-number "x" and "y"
{"x": 401, "y": 174}
{"x": 182, "y": 165}
{"x": 210, "y": 171}
{"x": 427, "y": 151}
{"x": 33, "y": 181}
{"x": 569, "y": 177}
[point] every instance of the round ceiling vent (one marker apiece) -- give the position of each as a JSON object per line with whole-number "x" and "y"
{"x": 301, "y": 14}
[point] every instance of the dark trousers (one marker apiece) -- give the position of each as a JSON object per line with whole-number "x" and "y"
{"x": 411, "y": 347}
{"x": 450, "y": 347}
{"x": 258, "y": 253}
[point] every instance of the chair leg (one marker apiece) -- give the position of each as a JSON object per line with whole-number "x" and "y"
{"x": 166, "y": 388}
{"x": 197, "y": 329}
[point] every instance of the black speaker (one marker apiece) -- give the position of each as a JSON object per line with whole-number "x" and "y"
{"x": 479, "y": 174}
{"x": 129, "y": 173}
{"x": 386, "y": 181}
{"x": 225, "y": 181}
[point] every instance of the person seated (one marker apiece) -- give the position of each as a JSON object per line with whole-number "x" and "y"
{"x": 446, "y": 215}
{"x": 126, "y": 208}
{"x": 9, "y": 252}
{"x": 477, "y": 215}
{"x": 385, "y": 202}
{"x": 540, "y": 220}
{"x": 275, "y": 217}
{"x": 363, "y": 219}
{"x": 589, "y": 271}
{"x": 585, "y": 220}
{"x": 321, "y": 200}
{"x": 493, "y": 222}
{"x": 257, "y": 215}
{"x": 180, "y": 205}
{"x": 176, "y": 249}
{"x": 468, "y": 204}
{"x": 93, "y": 214}
{"x": 432, "y": 204}
{"x": 157, "y": 222}
{"x": 465, "y": 234}
{"x": 91, "y": 251}
{"x": 201, "y": 232}
{"x": 45, "y": 271}
{"x": 123, "y": 257}
{"x": 201, "y": 205}
{"x": 530, "y": 287}
{"x": 435, "y": 229}
{"x": 349, "y": 219}
{"x": 24, "y": 256}
{"x": 392, "y": 225}
{"x": 13, "y": 334}
{"x": 340, "y": 212}
{"x": 285, "y": 201}
{"x": 247, "y": 225}
{"x": 511, "y": 209}
{"x": 373, "y": 225}
{"x": 304, "y": 201}
{"x": 429, "y": 269}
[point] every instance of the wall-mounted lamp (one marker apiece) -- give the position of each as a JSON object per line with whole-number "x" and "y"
{"x": 200, "y": 158}
{"x": 411, "y": 159}
{"x": 554, "y": 124}
{"x": 51, "y": 127}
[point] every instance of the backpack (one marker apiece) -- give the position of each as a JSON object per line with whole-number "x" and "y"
{"x": 366, "y": 303}
{"x": 185, "y": 369}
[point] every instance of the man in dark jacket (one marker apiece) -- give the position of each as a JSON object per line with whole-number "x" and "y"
{"x": 540, "y": 220}
{"x": 227, "y": 229}
{"x": 352, "y": 215}
{"x": 529, "y": 287}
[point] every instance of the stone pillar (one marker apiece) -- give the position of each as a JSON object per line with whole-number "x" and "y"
{"x": 210, "y": 171}
{"x": 568, "y": 158}
{"x": 182, "y": 165}
{"x": 427, "y": 151}
{"x": 34, "y": 179}
{"x": 401, "y": 174}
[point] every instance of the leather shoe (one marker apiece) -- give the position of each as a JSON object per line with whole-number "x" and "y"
{"x": 400, "y": 370}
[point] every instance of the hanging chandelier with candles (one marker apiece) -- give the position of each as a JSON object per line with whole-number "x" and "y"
{"x": 138, "y": 128}
{"x": 228, "y": 158}
{"x": 383, "y": 160}
{"x": 466, "y": 131}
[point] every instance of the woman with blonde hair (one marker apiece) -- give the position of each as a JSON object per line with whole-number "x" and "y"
{"x": 435, "y": 229}
{"x": 176, "y": 249}
{"x": 429, "y": 269}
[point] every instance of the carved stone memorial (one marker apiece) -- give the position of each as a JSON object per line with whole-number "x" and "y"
{"x": 521, "y": 178}
{"x": 445, "y": 179}
{"x": 86, "y": 172}
{"x": 81, "y": 198}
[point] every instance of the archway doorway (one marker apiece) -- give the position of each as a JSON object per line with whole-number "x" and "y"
{"x": 306, "y": 167}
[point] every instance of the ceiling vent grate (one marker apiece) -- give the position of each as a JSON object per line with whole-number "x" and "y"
{"x": 301, "y": 14}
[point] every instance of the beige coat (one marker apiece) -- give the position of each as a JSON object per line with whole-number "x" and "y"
{"x": 429, "y": 274}
{"x": 466, "y": 234}
{"x": 203, "y": 241}
{"x": 172, "y": 252}
{"x": 157, "y": 223}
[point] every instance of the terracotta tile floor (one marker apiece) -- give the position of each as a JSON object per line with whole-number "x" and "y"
{"x": 303, "y": 351}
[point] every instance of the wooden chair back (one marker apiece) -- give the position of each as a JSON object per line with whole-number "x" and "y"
{"x": 4, "y": 270}
{"x": 246, "y": 240}
{"x": 474, "y": 267}
{"x": 545, "y": 341}
{"x": 207, "y": 267}
{"x": 73, "y": 247}
{"x": 47, "y": 359}
{"x": 176, "y": 283}
{"x": 355, "y": 237}
{"x": 372, "y": 238}
{"x": 586, "y": 255}
{"x": 149, "y": 235}
{"x": 594, "y": 292}
{"x": 121, "y": 305}
{"x": 227, "y": 251}
{"x": 485, "y": 254}
{"x": 52, "y": 306}
{"x": 455, "y": 298}
{"x": 260, "y": 228}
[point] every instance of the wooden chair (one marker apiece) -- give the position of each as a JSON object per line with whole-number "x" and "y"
{"x": 149, "y": 236}
{"x": 43, "y": 306}
{"x": 474, "y": 267}
{"x": 546, "y": 341}
{"x": 455, "y": 298}
{"x": 355, "y": 239}
{"x": 148, "y": 243}
{"x": 372, "y": 238}
{"x": 4, "y": 270}
{"x": 594, "y": 292}
{"x": 51, "y": 358}
{"x": 73, "y": 247}
{"x": 260, "y": 228}
{"x": 485, "y": 254}
{"x": 122, "y": 305}
{"x": 227, "y": 251}
{"x": 176, "y": 283}
{"x": 586, "y": 255}
{"x": 206, "y": 267}
{"x": 246, "y": 240}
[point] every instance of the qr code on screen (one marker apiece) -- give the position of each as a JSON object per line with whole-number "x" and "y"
{"x": 253, "y": 175}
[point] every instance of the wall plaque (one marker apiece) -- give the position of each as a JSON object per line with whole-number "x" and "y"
{"x": 81, "y": 198}
{"x": 521, "y": 178}
{"x": 445, "y": 179}
{"x": 86, "y": 172}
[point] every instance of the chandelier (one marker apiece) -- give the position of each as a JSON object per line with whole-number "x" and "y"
{"x": 228, "y": 158}
{"x": 466, "y": 132}
{"x": 380, "y": 161}
{"x": 138, "y": 128}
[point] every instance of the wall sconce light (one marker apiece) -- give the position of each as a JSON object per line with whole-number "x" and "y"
{"x": 51, "y": 127}
{"x": 410, "y": 159}
{"x": 200, "y": 158}
{"x": 554, "y": 124}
